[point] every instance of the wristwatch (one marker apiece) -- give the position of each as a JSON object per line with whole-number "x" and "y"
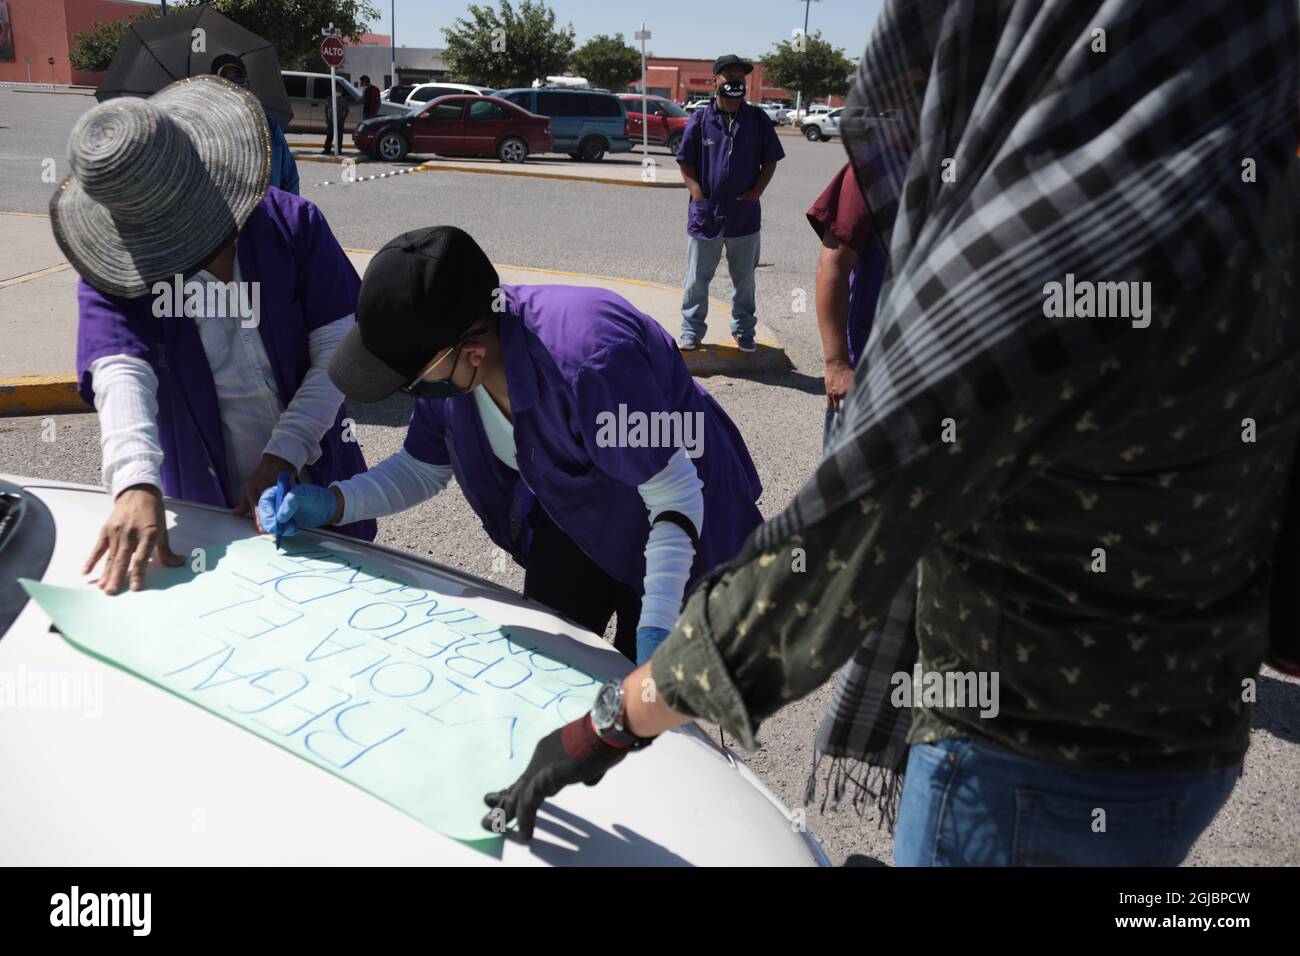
{"x": 607, "y": 715}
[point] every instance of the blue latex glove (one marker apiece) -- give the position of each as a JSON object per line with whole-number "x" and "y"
{"x": 647, "y": 639}
{"x": 306, "y": 506}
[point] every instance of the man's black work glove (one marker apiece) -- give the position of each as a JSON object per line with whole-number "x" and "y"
{"x": 572, "y": 754}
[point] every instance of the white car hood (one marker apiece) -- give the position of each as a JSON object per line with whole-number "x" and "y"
{"x": 133, "y": 775}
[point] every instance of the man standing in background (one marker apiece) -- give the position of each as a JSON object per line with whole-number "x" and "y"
{"x": 370, "y": 98}
{"x": 728, "y": 154}
{"x": 337, "y": 103}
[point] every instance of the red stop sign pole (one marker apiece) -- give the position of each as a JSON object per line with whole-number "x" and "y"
{"x": 331, "y": 51}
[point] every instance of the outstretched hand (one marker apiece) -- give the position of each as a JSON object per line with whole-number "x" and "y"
{"x": 572, "y": 754}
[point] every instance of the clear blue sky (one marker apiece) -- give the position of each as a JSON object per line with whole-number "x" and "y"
{"x": 679, "y": 28}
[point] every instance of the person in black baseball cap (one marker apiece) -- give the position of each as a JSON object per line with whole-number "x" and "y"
{"x": 730, "y": 60}
{"x": 728, "y": 155}
{"x": 568, "y": 419}
{"x": 422, "y": 292}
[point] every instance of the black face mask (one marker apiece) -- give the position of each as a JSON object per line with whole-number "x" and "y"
{"x": 445, "y": 389}
{"x": 734, "y": 91}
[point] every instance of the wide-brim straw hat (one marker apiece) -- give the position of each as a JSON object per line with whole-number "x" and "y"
{"x": 159, "y": 186}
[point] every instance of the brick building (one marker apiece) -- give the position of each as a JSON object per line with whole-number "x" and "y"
{"x": 686, "y": 80}
{"x": 34, "y": 31}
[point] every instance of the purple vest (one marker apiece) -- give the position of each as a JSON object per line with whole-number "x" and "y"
{"x": 306, "y": 282}
{"x": 581, "y": 365}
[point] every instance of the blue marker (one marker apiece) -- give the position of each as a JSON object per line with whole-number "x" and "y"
{"x": 281, "y": 489}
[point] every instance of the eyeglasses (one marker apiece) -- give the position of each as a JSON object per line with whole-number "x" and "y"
{"x": 437, "y": 359}
{"x": 409, "y": 387}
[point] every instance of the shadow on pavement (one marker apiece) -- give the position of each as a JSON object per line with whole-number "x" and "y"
{"x": 1277, "y": 710}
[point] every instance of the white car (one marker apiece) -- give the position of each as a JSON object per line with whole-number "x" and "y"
{"x": 822, "y": 126}
{"x": 817, "y": 109}
{"x": 309, "y": 95}
{"x": 424, "y": 92}
{"x": 140, "y": 776}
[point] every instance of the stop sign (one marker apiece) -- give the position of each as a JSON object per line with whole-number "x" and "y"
{"x": 331, "y": 51}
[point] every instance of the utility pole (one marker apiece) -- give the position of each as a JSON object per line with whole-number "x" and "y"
{"x": 798, "y": 96}
{"x": 392, "y": 45}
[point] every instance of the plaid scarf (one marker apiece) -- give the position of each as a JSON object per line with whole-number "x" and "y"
{"x": 1000, "y": 143}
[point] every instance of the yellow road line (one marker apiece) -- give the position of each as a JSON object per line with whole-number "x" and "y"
{"x": 38, "y": 274}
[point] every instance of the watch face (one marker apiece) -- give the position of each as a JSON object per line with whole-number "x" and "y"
{"x": 604, "y": 713}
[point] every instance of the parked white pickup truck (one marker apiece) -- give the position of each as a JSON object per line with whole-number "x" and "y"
{"x": 822, "y": 126}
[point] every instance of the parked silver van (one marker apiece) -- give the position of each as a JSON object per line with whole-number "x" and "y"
{"x": 309, "y": 96}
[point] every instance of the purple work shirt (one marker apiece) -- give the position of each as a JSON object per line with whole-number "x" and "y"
{"x": 727, "y": 166}
{"x": 306, "y": 282}
{"x": 573, "y": 355}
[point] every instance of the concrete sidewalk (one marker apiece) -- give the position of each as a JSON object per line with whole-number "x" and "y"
{"x": 38, "y": 319}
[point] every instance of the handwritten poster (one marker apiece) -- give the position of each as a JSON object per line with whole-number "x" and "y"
{"x": 399, "y": 690}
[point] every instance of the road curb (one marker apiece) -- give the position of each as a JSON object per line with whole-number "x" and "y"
{"x": 675, "y": 183}
{"x": 40, "y": 395}
{"x": 58, "y": 395}
{"x": 601, "y": 180}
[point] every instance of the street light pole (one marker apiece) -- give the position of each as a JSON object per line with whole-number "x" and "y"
{"x": 643, "y": 34}
{"x": 392, "y": 46}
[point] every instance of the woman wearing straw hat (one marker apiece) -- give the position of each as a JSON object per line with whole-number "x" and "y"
{"x": 210, "y": 306}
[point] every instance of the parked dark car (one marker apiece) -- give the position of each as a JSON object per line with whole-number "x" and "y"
{"x": 458, "y": 126}
{"x": 663, "y": 125}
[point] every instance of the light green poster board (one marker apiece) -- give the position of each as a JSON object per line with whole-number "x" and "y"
{"x": 399, "y": 690}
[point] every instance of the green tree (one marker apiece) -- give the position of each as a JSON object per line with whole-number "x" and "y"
{"x": 819, "y": 69}
{"x": 94, "y": 49}
{"x": 291, "y": 26}
{"x": 512, "y": 47}
{"x": 607, "y": 62}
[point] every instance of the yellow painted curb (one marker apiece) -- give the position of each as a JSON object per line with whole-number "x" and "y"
{"x": 38, "y": 274}
{"x": 491, "y": 171}
{"x": 564, "y": 176}
{"x": 40, "y": 395}
{"x": 708, "y": 359}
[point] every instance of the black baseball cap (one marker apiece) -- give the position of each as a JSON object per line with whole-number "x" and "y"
{"x": 420, "y": 294}
{"x": 730, "y": 59}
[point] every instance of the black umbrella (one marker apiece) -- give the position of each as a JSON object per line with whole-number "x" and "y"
{"x": 155, "y": 53}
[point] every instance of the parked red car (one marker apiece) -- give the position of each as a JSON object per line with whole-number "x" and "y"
{"x": 665, "y": 121}
{"x": 457, "y": 126}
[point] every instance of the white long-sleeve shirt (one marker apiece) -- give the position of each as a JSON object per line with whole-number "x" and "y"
{"x": 254, "y": 417}
{"x": 403, "y": 481}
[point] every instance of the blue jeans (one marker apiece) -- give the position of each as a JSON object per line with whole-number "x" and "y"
{"x": 702, "y": 257}
{"x": 974, "y": 804}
